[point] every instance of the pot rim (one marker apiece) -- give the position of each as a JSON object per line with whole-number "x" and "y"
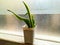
{"x": 26, "y": 28}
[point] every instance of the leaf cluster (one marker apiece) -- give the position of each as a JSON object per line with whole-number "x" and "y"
{"x": 30, "y": 22}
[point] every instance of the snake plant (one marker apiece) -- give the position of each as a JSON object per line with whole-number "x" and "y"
{"x": 30, "y": 22}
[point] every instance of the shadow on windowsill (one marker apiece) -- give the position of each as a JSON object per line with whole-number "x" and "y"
{"x": 4, "y": 42}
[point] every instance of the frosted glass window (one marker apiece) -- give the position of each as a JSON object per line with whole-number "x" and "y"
{"x": 47, "y": 13}
{"x": 36, "y": 6}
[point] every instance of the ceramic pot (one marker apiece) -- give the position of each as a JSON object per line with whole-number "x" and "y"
{"x": 28, "y": 35}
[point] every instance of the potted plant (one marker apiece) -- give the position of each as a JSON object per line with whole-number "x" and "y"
{"x": 28, "y": 28}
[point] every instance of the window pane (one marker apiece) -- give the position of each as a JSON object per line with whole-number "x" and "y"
{"x": 46, "y": 23}
{"x": 47, "y": 13}
{"x": 36, "y": 6}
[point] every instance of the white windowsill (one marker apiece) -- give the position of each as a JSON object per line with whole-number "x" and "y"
{"x": 18, "y": 37}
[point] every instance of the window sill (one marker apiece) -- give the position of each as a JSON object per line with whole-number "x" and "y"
{"x": 18, "y": 37}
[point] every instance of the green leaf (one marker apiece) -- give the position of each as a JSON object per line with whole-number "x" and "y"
{"x": 33, "y": 21}
{"x": 28, "y": 11}
{"x": 16, "y": 15}
{"x": 20, "y": 18}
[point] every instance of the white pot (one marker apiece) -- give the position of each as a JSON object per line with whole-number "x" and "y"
{"x": 28, "y": 35}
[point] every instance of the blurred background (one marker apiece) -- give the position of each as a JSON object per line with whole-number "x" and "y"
{"x": 46, "y": 12}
